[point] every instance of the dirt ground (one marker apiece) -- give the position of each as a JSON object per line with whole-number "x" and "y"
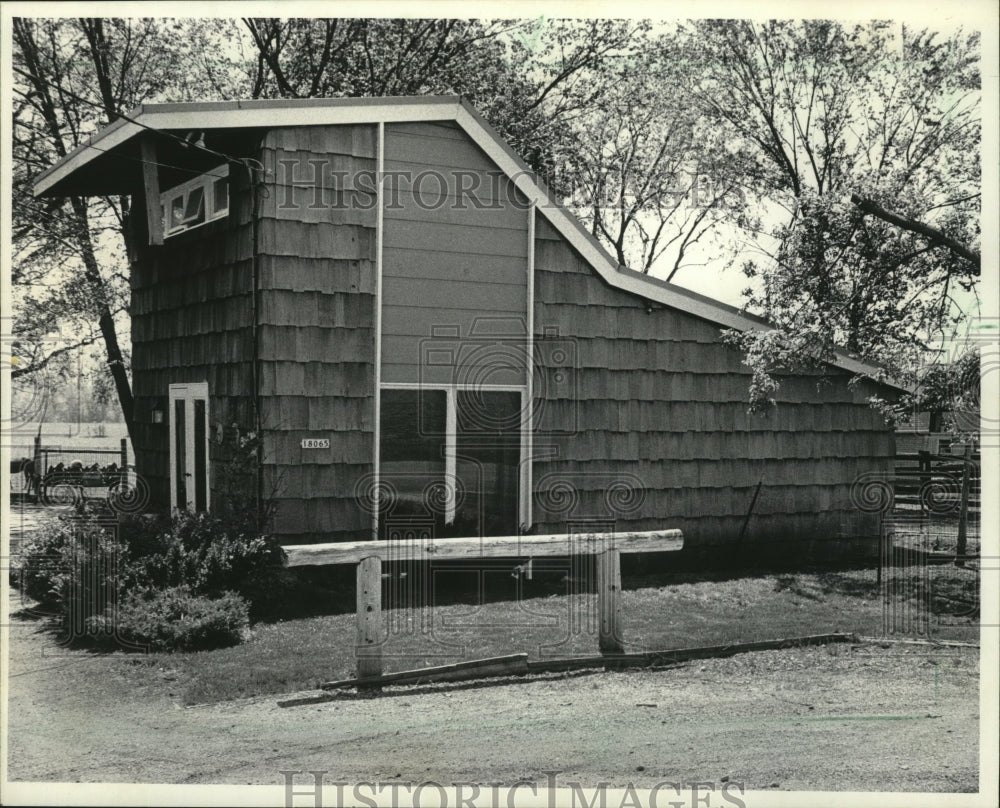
{"x": 839, "y": 717}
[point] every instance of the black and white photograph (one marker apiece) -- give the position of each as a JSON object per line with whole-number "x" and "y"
{"x": 585, "y": 405}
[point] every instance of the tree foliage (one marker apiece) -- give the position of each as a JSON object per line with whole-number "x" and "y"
{"x": 671, "y": 142}
{"x": 821, "y": 111}
{"x": 648, "y": 173}
{"x": 529, "y": 78}
{"x": 73, "y": 76}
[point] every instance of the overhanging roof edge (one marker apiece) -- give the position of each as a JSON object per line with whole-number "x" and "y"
{"x": 601, "y": 260}
{"x": 207, "y": 115}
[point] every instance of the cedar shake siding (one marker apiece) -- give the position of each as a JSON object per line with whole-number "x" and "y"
{"x": 317, "y": 319}
{"x": 656, "y": 400}
{"x": 191, "y": 307}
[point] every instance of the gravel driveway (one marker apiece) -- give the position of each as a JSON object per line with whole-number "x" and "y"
{"x": 839, "y": 717}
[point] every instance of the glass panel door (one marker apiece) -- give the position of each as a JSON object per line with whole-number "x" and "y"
{"x": 412, "y": 460}
{"x": 449, "y": 462}
{"x": 488, "y": 450}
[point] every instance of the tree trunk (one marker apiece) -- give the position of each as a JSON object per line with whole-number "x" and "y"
{"x": 25, "y": 40}
{"x": 106, "y": 321}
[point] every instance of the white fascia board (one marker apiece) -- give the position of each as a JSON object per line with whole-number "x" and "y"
{"x": 568, "y": 226}
{"x": 527, "y": 183}
{"x": 109, "y": 138}
{"x": 268, "y": 117}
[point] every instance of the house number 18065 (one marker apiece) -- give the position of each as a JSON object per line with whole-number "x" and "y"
{"x": 315, "y": 443}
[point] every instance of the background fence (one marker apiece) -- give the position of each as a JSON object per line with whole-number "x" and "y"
{"x": 937, "y": 503}
{"x": 64, "y": 475}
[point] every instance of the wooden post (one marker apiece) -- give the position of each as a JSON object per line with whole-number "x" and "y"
{"x": 963, "y": 513}
{"x": 151, "y": 186}
{"x": 609, "y": 608}
{"x": 369, "y": 645}
{"x": 36, "y": 478}
{"x": 124, "y": 465}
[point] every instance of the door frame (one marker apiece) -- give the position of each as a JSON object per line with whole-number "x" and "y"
{"x": 188, "y": 392}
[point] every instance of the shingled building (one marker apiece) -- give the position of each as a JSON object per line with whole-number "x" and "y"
{"x": 420, "y": 332}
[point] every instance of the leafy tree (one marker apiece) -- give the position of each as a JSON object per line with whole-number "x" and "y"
{"x": 945, "y": 389}
{"x": 662, "y": 142}
{"x": 821, "y": 111}
{"x": 648, "y": 174}
{"x": 72, "y": 77}
{"x": 529, "y": 78}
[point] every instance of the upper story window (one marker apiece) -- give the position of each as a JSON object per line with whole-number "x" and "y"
{"x": 195, "y": 202}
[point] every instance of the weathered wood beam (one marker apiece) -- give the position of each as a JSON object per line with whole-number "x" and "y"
{"x": 151, "y": 187}
{"x": 559, "y": 544}
{"x": 511, "y": 665}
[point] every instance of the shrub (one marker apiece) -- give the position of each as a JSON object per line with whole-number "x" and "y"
{"x": 181, "y": 581}
{"x": 83, "y": 565}
{"x": 40, "y": 561}
{"x": 173, "y": 619}
{"x": 230, "y": 562}
{"x": 73, "y": 566}
{"x": 200, "y": 551}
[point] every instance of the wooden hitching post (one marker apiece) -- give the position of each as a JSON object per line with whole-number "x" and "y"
{"x": 609, "y": 584}
{"x": 369, "y": 645}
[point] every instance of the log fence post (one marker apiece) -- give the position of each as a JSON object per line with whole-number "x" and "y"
{"x": 369, "y": 617}
{"x": 609, "y": 606}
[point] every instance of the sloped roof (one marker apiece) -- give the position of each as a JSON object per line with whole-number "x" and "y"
{"x": 88, "y": 170}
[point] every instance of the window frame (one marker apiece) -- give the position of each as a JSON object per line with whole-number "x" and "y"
{"x": 206, "y": 182}
{"x": 451, "y": 439}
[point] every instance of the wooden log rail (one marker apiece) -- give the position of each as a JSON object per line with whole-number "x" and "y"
{"x": 369, "y": 555}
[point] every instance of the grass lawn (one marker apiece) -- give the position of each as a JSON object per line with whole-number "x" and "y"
{"x": 660, "y": 612}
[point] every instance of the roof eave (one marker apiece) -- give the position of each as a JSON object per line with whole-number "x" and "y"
{"x": 209, "y": 115}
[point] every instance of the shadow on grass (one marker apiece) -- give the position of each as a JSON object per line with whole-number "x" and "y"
{"x": 330, "y": 589}
{"x": 323, "y": 591}
{"x": 34, "y": 614}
